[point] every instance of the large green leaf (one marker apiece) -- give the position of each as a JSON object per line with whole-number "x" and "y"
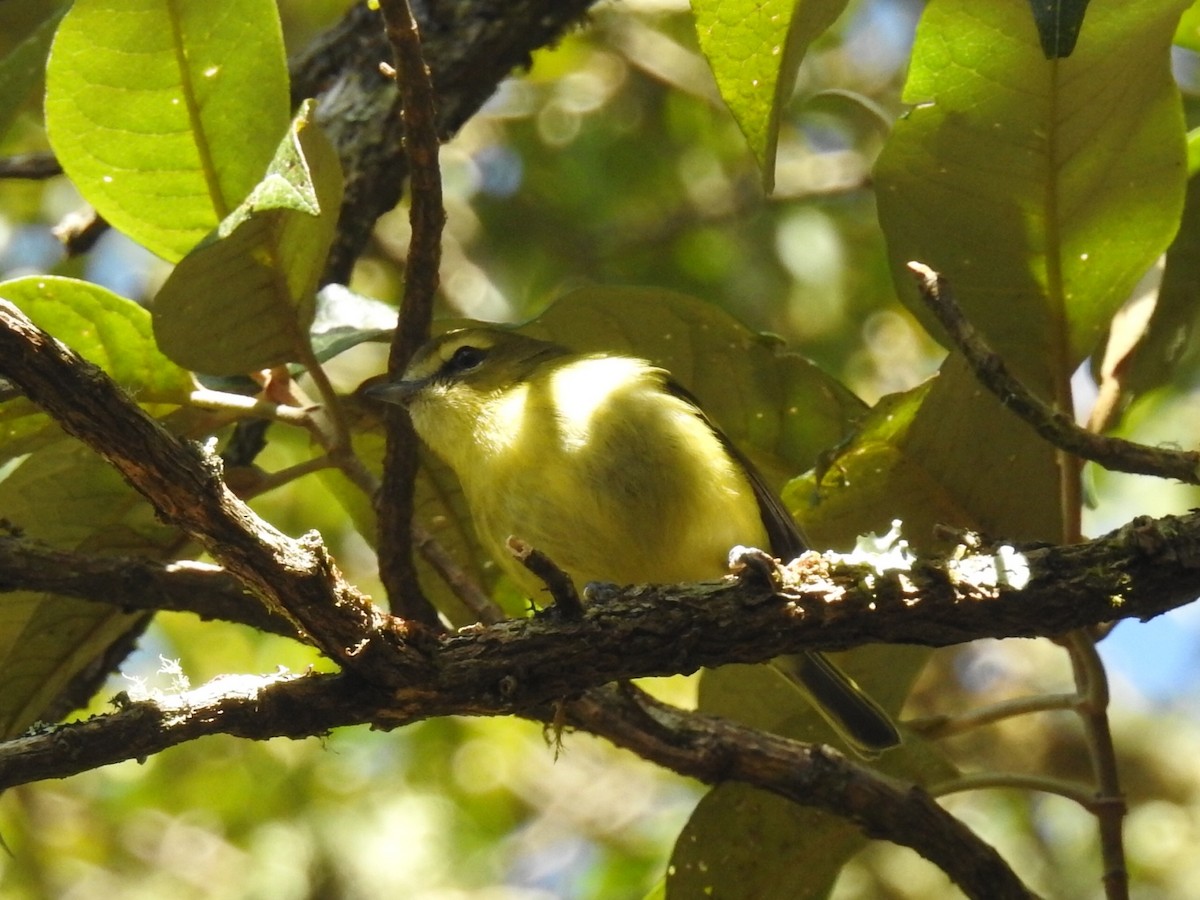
{"x": 165, "y": 113}
{"x": 108, "y": 330}
{"x": 755, "y": 48}
{"x": 1042, "y": 188}
{"x": 946, "y": 453}
{"x": 245, "y": 298}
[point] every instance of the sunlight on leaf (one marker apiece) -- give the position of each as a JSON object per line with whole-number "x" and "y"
{"x": 755, "y": 48}
{"x": 165, "y": 114}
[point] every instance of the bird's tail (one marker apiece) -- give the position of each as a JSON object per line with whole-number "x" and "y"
{"x": 857, "y": 719}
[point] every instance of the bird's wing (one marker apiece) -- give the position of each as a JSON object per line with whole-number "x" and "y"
{"x": 787, "y": 541}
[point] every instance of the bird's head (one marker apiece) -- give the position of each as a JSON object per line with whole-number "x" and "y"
{"x": 459, "y": 384}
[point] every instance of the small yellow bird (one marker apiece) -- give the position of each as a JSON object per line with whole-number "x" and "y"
{"x": 612, "y": 470}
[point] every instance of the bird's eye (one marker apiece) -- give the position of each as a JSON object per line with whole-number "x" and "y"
{"x": 466, "y": 358}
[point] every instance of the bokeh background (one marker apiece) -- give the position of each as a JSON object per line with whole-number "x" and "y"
{"x": 611, "y": 161}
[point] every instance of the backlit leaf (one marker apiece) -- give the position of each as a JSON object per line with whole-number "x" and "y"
{"x": 165, "y": 113}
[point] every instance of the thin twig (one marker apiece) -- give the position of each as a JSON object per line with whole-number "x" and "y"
{"x": 562, "y": 589}
{"x": 1071, "y": 790}
{"x": 1056, "y": 427}
{"x": 465, "y": 588}
{"x": 30, "y": 166}
{"x": 396, "y": 499}
{"x": 270, "y": 481}
{"x": 242, "y": 405}
{"x": 1072, "y": 443}
{"x": 78, "y": 231}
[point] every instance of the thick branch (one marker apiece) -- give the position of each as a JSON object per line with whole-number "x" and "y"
{"x": 1139, "y": 571}
{"x": 295, "y": 577}
{"x": 709, "y": 749}
{"x": 715, "y": 751}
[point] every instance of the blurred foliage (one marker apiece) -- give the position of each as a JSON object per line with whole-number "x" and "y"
{"x": 614, "y": 161}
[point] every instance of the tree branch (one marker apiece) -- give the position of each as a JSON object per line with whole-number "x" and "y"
{"x": 716, "y": 751}
{"x": 1115, "y": 454}
{"x": 30, "y": 166}
{"x": 519, "y": 666}
{"x": 1139, "y": 571}
{"x": 135, "y": 584}
{"x": 296, "y": 578}
{"x": 710, "y": 749}
{"x": 396, "y": 500}
{"x": 470, "y": 47}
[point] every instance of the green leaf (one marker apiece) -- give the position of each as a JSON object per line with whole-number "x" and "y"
{"x": 755, "y": 48}
{"x": 742, "y": 842}
{"x": 1187, "y": 35}
{"x": 946, "y": 453}
{"x": 22, "y": 69}
{"x": 1043, "y": 189}
{"x": 245, "y": 298}
{"x": 108, "y": 330}
{"x": 65, "y": 496}
{"x": 1058, "y": 23}
{"x": 164, "y": 113}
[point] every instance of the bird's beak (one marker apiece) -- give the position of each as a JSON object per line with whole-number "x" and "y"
{"x": 397, "y": 392}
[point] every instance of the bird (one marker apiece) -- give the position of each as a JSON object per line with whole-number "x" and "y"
{"x": 610, "y": 468}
